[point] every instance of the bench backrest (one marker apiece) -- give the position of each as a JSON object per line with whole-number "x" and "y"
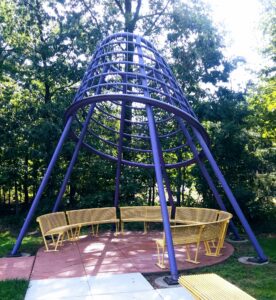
{"x": 103, "y": 214}
{"x": 224, "y": 215}
{"x": 90, "y": 215}
{"x": 186, "y": 234}
{"x": 213, "y": 230}
{"x": 133, "y": 212}
{"x": 143, "y": 212}
{"x": 154, "y": 212}
{"x": 196, "y": 214}
{"x": 50, "y": 221}
{"x": 78, "y": 216}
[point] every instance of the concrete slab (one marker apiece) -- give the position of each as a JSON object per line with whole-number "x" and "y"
{"x": 123, "y": 283}
{"x": 176, "y": 293}
{"x": 56, "y": 289}
{"x": 142, "y": 295}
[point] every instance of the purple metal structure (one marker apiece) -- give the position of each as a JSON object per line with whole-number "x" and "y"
{"x": 130, "y": 109}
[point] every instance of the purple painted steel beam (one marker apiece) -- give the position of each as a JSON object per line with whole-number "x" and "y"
{"x": 74, "y": 158}
{"x": 200, "y": 164}
{"x": 207, "y": 176}
{"x": 42, "y": 187}
{"x": 231, "y": 198}
{"x": 158, "y": 173}
{"x": 165, "y": 175}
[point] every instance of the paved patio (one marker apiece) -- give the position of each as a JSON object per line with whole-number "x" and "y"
{"x": 106, "y": 254}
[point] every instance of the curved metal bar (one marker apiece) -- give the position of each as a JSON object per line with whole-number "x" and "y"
{"x": 133, "y": 122}
{"x": 144, "y": 100}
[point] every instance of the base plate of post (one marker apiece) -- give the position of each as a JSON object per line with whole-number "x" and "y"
{"x": 256, "y": 261}
{"x": 170, "y": 281}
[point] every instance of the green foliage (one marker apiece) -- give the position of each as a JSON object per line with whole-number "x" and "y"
{"x": 13, "y": 289}
{"x": 44, "y": 50}
{"x": 30, "y": 243}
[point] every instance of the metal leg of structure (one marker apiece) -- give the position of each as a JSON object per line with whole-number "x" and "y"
{"x": 166, "y": 222}
{"x": 42, "y": 187}
{"x": 166, "y": 178}
{"x": 207, "y": 176}
{"x": 74, "y": 158}
{"x": 233, "y": 201}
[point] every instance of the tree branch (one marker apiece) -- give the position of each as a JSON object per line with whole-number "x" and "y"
{"x": 136, "y": 14}
{"x": 120, "y": 6}
{"x": 157, "y": 18}
{"x": 91, "y": 13}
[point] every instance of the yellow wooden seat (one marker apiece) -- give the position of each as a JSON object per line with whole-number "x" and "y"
{"x": 132, "y": 214}
{"x": 55, "y": 225}
{"x": 104, "y": 215}
{"x": 214, "y": 234}
{"x": 212, "y": 287}
{"x": 154, "y": 214}
{"x": 145, "y": 214}
{"x": 93, "y": 216}
{"x": 195, "y": 215}
{"x": 181, "y": 235}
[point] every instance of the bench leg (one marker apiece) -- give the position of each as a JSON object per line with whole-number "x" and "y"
{"x": 160, "y": 263}
{"x": 122, "y": 227}
{"x": 59, "y": 239}
{"x": 45, "y": 242}
{"x": 194, "y": 261}
{"x": 97, "y": 229}
{"x": 145, "y": 228}
{"x": 116, "y": 228}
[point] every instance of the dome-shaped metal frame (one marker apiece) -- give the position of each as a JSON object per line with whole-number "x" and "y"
{"x": 130, "y": 109}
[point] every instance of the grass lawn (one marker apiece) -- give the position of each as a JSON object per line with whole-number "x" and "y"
{"x": 30, "y": 243}
{"x": 13, "y": 289}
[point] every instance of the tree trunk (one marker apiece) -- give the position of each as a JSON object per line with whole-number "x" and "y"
{"x": 25, "y": 182}
{"x": 149, "y": 196}
{"x": 16, "y": 199}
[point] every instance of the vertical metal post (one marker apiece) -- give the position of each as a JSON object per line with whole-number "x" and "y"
{"x": 233, "y": 201}
{"x": 166, "y": 178}
{"x": 158, "y": 173}
{"x": 206, "y": 175}
{"x": 74, "y": 158}
{"x": 42, "y": 187}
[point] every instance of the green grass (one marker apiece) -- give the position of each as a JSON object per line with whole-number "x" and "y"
{"x": 13, "y": 289}
{"x": 258, "y": 281}
{"x": 30, "y": 243}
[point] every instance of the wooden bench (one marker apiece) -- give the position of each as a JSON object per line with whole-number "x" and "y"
{"x": 195, "y": 215}
{"x": 145, "y": 214}
{"x": 181, "y": 235}
{"x": 56, "y": 226}
{"x": 212, "y": 287}
{"x": 212, "y": 234}
{"x": 93, "y": 216}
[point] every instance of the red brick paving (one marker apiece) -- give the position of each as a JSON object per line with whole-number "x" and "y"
{"x": 16, "y": 267}
{"x": 131, "y": 252}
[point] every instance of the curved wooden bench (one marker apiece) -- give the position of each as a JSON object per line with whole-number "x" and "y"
{"x": 208, "y": 226}
{"x": 93, "y": 216}
{"x": 145, "y": 214}
{"x": 56, "y": 226}
{"x": 181, "y": 235}
{"x": 192, "y": 215}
